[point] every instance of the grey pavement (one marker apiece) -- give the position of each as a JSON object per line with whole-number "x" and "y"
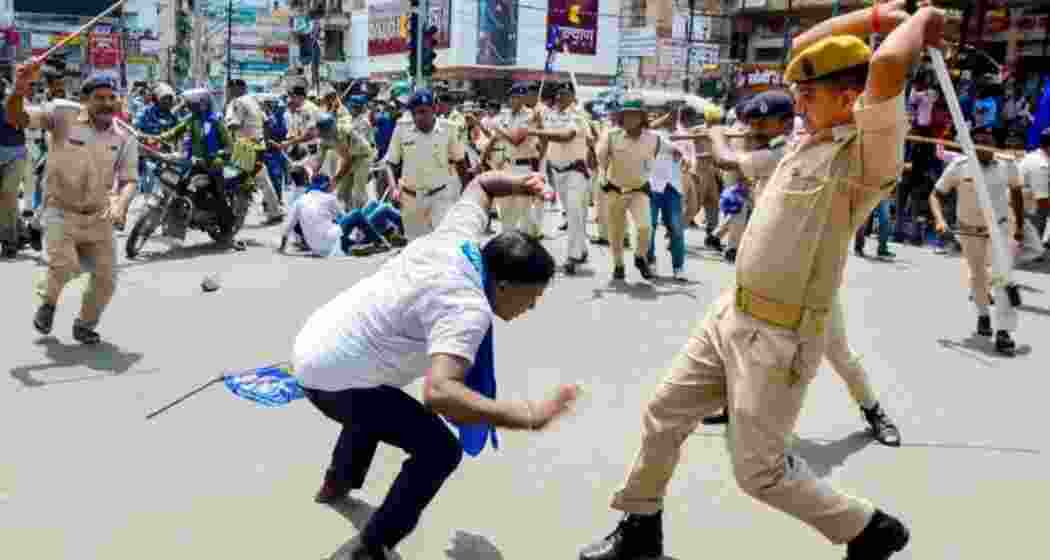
{"x": 83, "y": 475}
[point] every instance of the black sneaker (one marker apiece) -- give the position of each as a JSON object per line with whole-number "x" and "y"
{"x": 643, "y": 267}
{"x": 883, "y": 536}
{"x": 85, "y": 335}
{"x": 636, "y": 537}
{"x": 717, "y": 419}
{"x": 570, "y": 267}
{"x": 619, "y": 273}
{"x": 36, "y": 239}
{"x": 882, "y": 428}
{"x": 1004, "y": 344}
{"x": 730, "y": 256}
{"x": 600, "y": 241}
{"x": 885, "y": 253}
{"x": 712, "y": 242}
{"x": 44, "y": 318}
{"x": 858, "y": 250}
{"x": 368, "y": 552}
{"x": 984, "y": 325}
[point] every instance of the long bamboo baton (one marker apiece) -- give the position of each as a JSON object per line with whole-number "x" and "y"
{"x": 1008, "y": 154}
{"x": 39, "y": 60}
{"x": 1001, "y": 267}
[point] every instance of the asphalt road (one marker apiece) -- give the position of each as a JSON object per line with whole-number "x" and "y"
{"x": 84, "y": 476}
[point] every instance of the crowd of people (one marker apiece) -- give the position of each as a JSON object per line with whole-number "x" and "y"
{"x": 782, "y": 184}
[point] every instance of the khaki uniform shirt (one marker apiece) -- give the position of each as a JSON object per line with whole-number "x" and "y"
{"x": 758, "y": 166}
{"x": 796, "y": 244}
{"x": 84, "y": 165}
{"x": 426, "y": 157}
{"x": 302, "y": 120}
{"x": 246, "y": 113}
{"x": 564, "y": 153}
{"x": 348, "y": 140}
{"x": 999, "y": 176}
{"x": 628, "y": 162}
{"x": 528, "y": 149}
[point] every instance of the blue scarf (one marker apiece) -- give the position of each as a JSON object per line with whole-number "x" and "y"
{"x": 320, "y": 183}
{"x": 482, "y": 375}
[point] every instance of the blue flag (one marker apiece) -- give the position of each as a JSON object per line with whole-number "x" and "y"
{"x": 1042, "y": 119}
{"x": 482, "y": 374}
{"x": 268, "y": 385}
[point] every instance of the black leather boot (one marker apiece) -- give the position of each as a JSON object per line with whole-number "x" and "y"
{"x": 643, "y": 267}
{"x": 636, "y": 537}
{"x": 1004, "y": 344}
{"x": 44, "y": 318}
{"x": 883, "y": 536}
{"x": 984, "y": 325}
{"x": 882, "y": 428}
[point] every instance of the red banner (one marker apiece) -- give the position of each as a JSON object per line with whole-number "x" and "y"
{"x": 104, "y": 50}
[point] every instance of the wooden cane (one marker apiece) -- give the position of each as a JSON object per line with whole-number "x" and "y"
{"x": 1008, "y": 154}
{"x": 38, "y": 61}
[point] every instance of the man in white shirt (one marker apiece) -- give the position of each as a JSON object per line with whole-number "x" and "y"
{"x": 1035, "y": 170}
{"x": 424, "y": 314}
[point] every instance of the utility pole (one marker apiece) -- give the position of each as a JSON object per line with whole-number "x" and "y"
{"x": 424, "y": 22}
{"x": 229, "y": 46}
{"x": 688, "y": 46}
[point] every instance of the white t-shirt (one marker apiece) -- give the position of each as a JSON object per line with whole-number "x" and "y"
{"x": 999, "y": 176}
{"x": 428, "y": 300}
{"x": 665, "y": 169}
{"x": 1035, "y": 170}
{"x": 316, "y": 212}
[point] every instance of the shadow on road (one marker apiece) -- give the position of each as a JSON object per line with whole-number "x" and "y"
{"x": 471, "y": 546}
{"x": 1035, "y": 310}
{"x": 645, "y": 291}
{"x": 186, "y": 252}
{"x": 981, "y": 348}
{"x": 357, "y": 512}
{"x": 104, "y": 357}
{"x": 824, "y": 457}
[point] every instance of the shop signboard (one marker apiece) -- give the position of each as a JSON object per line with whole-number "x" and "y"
{"x": 104, "y": 50}
{"x": 576, "y": 22}
{"x": 384, "y": 26}
{"x": 638, "y": 41}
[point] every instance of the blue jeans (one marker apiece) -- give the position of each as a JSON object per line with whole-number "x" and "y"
{"x": 374, "y": 218}
{"x": 669, "y": 204}
{"x": 882, "y": 213}
{"x": 146, "y": 176}
{"x": 277, "y": 167}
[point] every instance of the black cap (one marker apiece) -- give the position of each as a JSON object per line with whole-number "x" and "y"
{"x": 768, "y": 104}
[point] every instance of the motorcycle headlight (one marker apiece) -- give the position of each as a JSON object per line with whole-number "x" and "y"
{"x": 169, "y": 177}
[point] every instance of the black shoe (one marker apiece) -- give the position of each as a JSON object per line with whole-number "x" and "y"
{"x": 984, "y": 325}
{"x": 885, "y": 253}
{"x": 583, "y": 259}
{"x": 85, "y": 335}
{"x": 858, "y": 250}
{"x": 570, "y": 267}
{"x": 882, "y": 428}
{"x": 619, "y": 273}
{"x": 44, "y": 319}
{"x": 883, "y": 536}
{"x": 1004, "y": 344}
{"x": 600, "y": 241}
{"x": 36, "y": 239}
{"x": 731, "y": 255}
{"x": 712, "y": 242}
{"x": 626, "y": 242}
{"x": 643, "y": 267}
{"x": 717, "y": 419}
{"x": 368, "y": 552}
{"x": 636, "y": 537}
{"x": 332, "y": 490}
{"x": 563, "y": 227}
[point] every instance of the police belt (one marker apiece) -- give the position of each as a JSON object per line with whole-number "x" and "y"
{"x": 973, "y": 231}
{"x": 611, "y": 188}
{"x": 579, "y": 166}
{"x": 417, "y": 194}
{"x": 784, "y": 315}
{"x": 533, "y": 163}
{"x": 72, "y": 209}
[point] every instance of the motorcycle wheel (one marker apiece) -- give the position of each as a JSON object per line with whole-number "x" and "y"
{"x": 226, "y": 232}
{"x": 141, "y": 232}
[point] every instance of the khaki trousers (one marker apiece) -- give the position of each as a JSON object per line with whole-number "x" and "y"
{"x": 619, "y": 204}
{"x": 11, "y": 175}
{"x": 601, "y": 210}
{"x": 523, "y": 213}
{"x": 71, "y": 239}
{"x": 844, "y": 361}
{"x": 977, "y": 259}
{"x": 351, "y": 189}
{"x": 422, "y": 214}
{"x": 760, "y": 373}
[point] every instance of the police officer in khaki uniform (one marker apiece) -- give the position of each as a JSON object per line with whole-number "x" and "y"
{"x": 346, "y": 156}
{"x": 759, "y": 346}
{"x": 245, "y": 119}
{"x": 519, "y": 212}
{"x": 89, "y": 156}
{"x": 627, "y": 154}
{"x": 567, "y": 134}
{"x": 772, "y": 115}
{"x": 1005, "y": 186}
{"x": 428, "y": 148}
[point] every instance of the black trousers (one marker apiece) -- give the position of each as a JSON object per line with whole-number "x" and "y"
{"x": 389, "y": 415}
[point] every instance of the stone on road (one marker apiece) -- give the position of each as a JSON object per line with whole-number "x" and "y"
{"x": 84, "y": 475}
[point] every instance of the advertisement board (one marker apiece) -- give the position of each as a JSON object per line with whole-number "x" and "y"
{"x": 497, "y": 32}
{"x": 104, "y": 50}
{"x": 576, "y": 22}
{"x": 384, "y": 26}
{"x": 64, "y": 7}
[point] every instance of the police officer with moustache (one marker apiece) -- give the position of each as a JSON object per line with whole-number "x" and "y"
{"x": 89, "y": 155}
{"x": 427, "y": 147}
{"x": 759, "y": 346}
{"x": 771, "y": 115}
{"x": 518, "y": 212}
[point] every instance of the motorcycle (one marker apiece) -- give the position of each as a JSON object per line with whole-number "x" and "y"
{"x": 186, "y": 197}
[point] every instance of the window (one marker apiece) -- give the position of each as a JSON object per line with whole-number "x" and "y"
{"x": 333, "y": 45}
